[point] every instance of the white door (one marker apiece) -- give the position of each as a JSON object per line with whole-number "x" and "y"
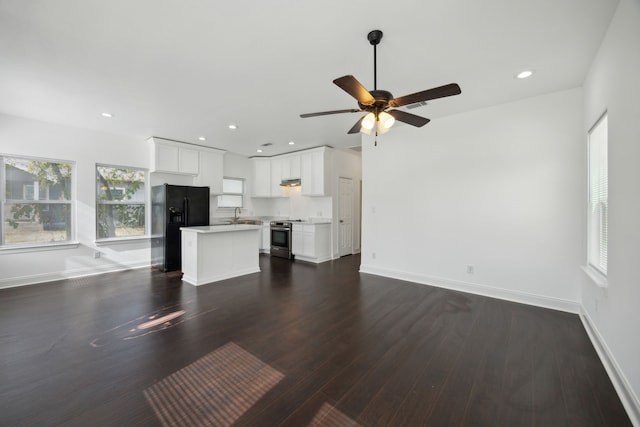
{"x": 345, "y": 217}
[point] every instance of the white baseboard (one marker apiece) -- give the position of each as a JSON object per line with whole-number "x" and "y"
{"x": 218, "y": 277}
{"x": 628, "y": 398}
{"x": 313, "y": 260}
{"x": 475, "y": 288}
{"x": 69, "y": 274}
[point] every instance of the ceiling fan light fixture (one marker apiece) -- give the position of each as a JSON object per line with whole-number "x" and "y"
{"x": 368, "y": 122}
{"x": 385, "y": 120}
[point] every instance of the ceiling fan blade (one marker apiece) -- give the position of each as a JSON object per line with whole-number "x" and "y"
{"x": 356, "y": 128}
{"x": 326, "y": 113}
{"x": 354, "y": 88}
{"x": 412, "y": 119}
{"x": 435, "y": 93}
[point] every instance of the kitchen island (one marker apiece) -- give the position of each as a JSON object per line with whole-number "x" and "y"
{"x": 213, "y": 253}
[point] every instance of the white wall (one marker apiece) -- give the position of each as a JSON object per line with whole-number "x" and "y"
{"x": 613, "y": 314}
{"x": 19, "y": 136}
{"x": 501, "y": 189}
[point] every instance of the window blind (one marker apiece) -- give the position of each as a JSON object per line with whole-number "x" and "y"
{"x": 598, "y": 195}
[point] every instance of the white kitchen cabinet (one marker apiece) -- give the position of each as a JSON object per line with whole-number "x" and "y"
{"x": 174, "y": 157}
{"x": 265, "y": 242}
{"x": 311, "y": 242}
{"x": 261, "y": 177}
{"x": 290, "y": 166}
{"x": 211, "y": 170}
{"x": 276, "y": 177}
{"x": 211, "y": 254}
{"x": 165, "y": 157}
{"x": 189, "y": 160}
{"x": 297, "y": 240}
{"x": 313, "y": 172}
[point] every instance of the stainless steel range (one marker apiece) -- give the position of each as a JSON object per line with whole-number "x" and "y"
{"x": 281, "y": 238}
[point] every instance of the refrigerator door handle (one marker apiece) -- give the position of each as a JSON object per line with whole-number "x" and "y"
{"x": 185, "y": 204}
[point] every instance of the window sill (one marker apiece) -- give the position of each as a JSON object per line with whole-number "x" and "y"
{"x": 38, "y": 248}
{"x": 121, "y": 240}
{"x": 598, "y": 278}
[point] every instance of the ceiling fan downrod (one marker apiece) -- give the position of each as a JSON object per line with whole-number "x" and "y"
{"x": 374, "y": 38}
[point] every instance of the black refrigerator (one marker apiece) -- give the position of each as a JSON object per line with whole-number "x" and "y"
{"x": 172, "y": 207}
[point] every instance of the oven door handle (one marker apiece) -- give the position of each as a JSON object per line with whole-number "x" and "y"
{"x": 280, "y": 229}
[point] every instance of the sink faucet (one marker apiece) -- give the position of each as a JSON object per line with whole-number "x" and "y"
{"x": 236, "y": 214}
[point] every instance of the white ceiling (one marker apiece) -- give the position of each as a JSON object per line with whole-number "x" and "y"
{"x": 184, "y": 69}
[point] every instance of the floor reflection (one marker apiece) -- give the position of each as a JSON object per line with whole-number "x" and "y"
{"x": 328, "y": 416}
{"x": 149, "y": 323}
{"x": 215, "y": 390}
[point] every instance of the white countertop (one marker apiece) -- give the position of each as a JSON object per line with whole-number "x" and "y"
{"x": 222, "y": 228}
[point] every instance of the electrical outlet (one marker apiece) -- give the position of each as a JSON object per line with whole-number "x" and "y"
{"x": 469, "y": 269}
{"x": 96, "y": 254}
{"x": 319, "y": 213}
{"x": 373, "y": 255}
{"x": 373, "y": 209}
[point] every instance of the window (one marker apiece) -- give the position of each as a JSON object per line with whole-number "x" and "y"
{"x": 37, "y": 204}
{"x": 232, "y": 190}
{"x": 598, "y": 196}
{"x": 120, "y": 202}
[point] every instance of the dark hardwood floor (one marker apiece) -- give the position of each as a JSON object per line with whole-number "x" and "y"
{"x": 295, "y": 345}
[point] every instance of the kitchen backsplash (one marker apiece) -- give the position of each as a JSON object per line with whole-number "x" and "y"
{"x": 295, "y": 206}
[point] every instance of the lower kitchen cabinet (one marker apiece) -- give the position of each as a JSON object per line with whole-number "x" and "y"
{"x": 265, "y": 242}
{"x": 311, "y": 242}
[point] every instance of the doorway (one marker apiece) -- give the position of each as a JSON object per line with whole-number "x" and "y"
{"x": 345, "y": 216}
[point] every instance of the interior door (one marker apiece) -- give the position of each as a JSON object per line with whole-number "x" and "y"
{"x": 345, "y": 216}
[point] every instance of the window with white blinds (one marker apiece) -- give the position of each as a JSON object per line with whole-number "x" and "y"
{"x": 232, "y": 192}
{"x": 598, "y": 232}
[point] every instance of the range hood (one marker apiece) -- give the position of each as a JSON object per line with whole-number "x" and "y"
{"x": 290, "y": 182}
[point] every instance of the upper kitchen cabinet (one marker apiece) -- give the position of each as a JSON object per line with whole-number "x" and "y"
{"x": 276, "y": 176}
{"x": 313, "y": 173}
{"x": 261, "y": 177}
{"x": 205, "y": 164}
{"x": 211, "y": 170}
{"x": 308, "y": 166}
{"x": 290, "y": 166}
{"x": 174, "y": 157}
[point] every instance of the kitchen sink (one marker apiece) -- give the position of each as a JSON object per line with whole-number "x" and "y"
{"x": 239, "y": 221}
{"x": 247, "y": 221}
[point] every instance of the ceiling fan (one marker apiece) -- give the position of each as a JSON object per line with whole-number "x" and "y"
{"x": 377, "y": 103}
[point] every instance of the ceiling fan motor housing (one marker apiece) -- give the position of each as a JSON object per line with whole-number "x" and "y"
{"x": 381, "y": 97}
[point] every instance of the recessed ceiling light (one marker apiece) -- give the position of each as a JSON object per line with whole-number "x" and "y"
{"x": 233, "y": 127}
{"x": 524, "y": 74}
{"x": 291, "y": 143}
{"x": 107, "y": 115}
{"x": 202, "y": 138}
{"x": 259, "y": 150}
